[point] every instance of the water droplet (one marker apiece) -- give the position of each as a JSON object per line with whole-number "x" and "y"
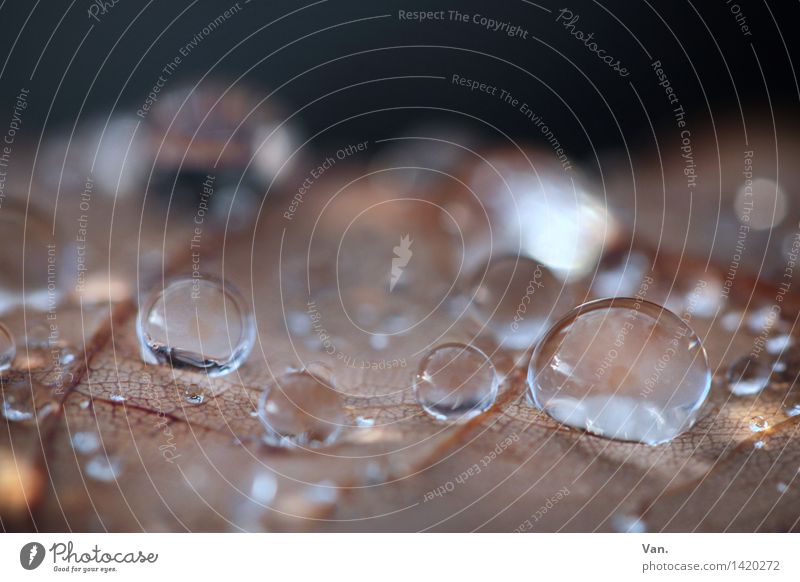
{"x": 515, "y": 297}
{"x": 759, "y": 424}
{"x": 194, "y": 394}
{"x": 732, "y": 320}
{"x": 456, "y": 382}
{"x": 761, "y": 204}
{"x": 782, "y": 487}
{"x": 263, "y": 487}
{"x": 299, "y": 323}
{"x": 301, "y": 409}
{"x": 117, "y": 397}
{"x": 201, "y": 324}
{"x": 623, "y": 369}
{"x": 748, "y": 376}
{"x": 361, "y": 421}
{"x": 24, "y": 400}
{"x": 379, "y": 341}
{"x": 85, "y": 442}
{"x": 103, "y": 468}
{"x": 621, "y": 523}
{"x": 620, "y": 275}
{"x": 8, "y": 348}
{"x": 759, "y": 445}
{"x": 780, "y": 343}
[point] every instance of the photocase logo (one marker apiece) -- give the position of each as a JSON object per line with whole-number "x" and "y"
{"x": 31, "y": 555}
{"x": 402, "y": 254}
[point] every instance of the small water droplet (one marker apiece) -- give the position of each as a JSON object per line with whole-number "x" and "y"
{"x": 299, "y": 323}
{"x": 514, "y": 297}
{"x": 620, "y": 275}
{"x": 103, "y": 468}
{"x": 194, "y": 394}
{"x": 24, "y": 400}
{"x": 456, "y": 382}
{"x": 301, "y": 409}
{"x": 85, "y": 404}
{"x": 759, "y": 444}
{"x": 758, "y": 424}
{"x": 263, "y": 487}
{"x": 117, "y": 397}
{"x": 621, "y": 368}
{"x": 8, "y": 348}
{"x": 748, "y": 376}
{"x": 379, "y": 341}
{"x": 361, "y": 421}
{"x": 732, "y": 320}
{"x": 85, "y": 442}
{"x": 200, "y": 324}
{"x": 622, "y": 523}
{"x": 782, "y": 487}
{"x": 779, "y": 343}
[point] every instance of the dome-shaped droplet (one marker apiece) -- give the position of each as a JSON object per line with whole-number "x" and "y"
{"x": 196, "y": 323}
{"x": 8, "y": 348}
{"x": 748, "y": 376}
{"x": 301, "y": 409}
{"x": 456, "y": 382}
{"x": 623, "y": 369}
{"x": 515, "y": 297}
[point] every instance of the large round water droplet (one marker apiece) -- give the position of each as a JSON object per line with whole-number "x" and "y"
{"x": 515, "y": 297}
{"x": 196, "y": 323}
{"x": 8, "y": 348}
{"x": 456, "y": 382}
{"x": 301, "y": 409}
{"x": 621, "y": 368}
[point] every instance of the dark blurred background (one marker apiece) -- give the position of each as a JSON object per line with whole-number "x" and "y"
{"x": 76, "y": 65}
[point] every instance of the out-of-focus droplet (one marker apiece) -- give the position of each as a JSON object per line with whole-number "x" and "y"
{"x": 301, "y": 409}
{"x": 732, "y": 321}
{"x": 8, "y": 348}
{"x": 621, "y": 368}
{"x": 24, "y": 400}
{"x": 620, "y": 275}
{"x": 299, "y": 506}
{"x": 85, "y": 442}
{"x": 222, "y": 130}
{"x": 536, "y": 208}
{"x": 456, "y": 382}
{"x": 200, "y": 324}
{"x": 622, "y": 523}
{"x": 748, "y": 376}
{"x": 761, "y": 204}
{"x": 29, "y": 258}
{"x": 104, "y": 468}
{"x": 515, "y": 298}
{"x": 758, "y": 424}
{"x": 780, "y": 343}
{"x": 379, "y": 341}
{"x": 263, "y": 487}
